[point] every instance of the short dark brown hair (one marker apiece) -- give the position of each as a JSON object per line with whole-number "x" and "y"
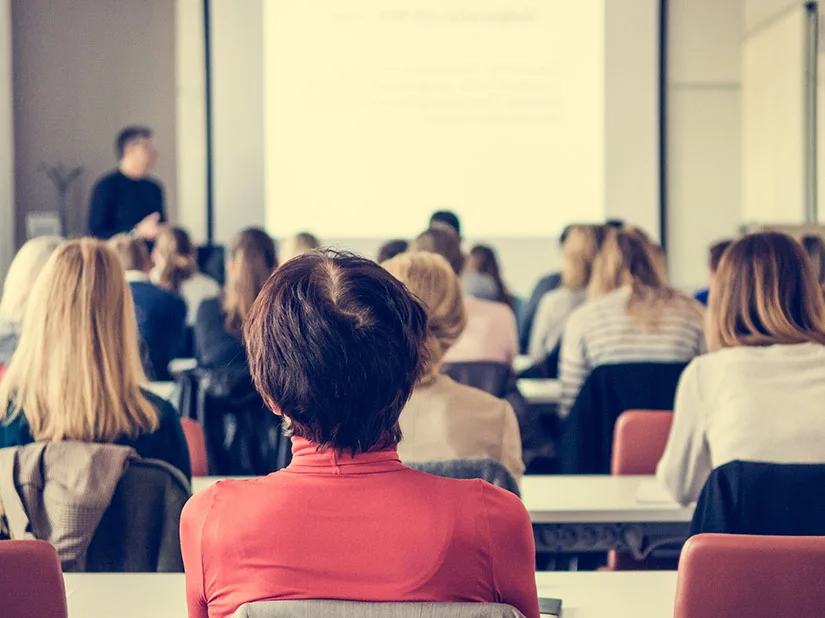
{"x": 716, "y": 252}
{"x": 337, "y": 344}
{"x": 132, "y": 252}
{"x": 443, "y": 242}
{"x": 128, "y": 135}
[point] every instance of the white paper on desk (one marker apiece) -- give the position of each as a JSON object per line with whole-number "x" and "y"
{"x": 653, "y": 492}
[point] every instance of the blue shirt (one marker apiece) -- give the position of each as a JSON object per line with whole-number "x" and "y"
{"x": 166, "y": 443}
{"x": 702, "y": 296}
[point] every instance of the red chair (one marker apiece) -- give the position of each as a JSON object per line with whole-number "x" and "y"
{"x": 197, "y": 446}
{"x": 31, "y": 585}
{"x": 2, "y": 372}
{"x": 639, "y": 440}
{"x": 723, "y": 575}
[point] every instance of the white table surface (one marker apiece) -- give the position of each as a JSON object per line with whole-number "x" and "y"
{"x": 632, "y": 594}
{"x": 540, "y": 390}
{"x": 164, "y": 390}
{"x": 522, "y": 362}
{"x": 581, "y": 499}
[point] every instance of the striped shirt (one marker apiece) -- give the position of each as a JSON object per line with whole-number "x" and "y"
{"x": 602, "y": 333}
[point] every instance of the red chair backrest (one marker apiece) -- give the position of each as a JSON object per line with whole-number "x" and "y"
{"x": 197, "y": 446}
{"x": 723, "y": 575}
{"x": 31, "y": 585}
{"x": 2, "y": 372}
{"x": 639, "y": 439}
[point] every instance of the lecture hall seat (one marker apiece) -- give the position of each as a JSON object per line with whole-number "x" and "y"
{"x": 31, "y": 585}
{"x": 197, "y": 446}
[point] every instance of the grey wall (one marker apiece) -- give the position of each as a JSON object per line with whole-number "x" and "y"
{"x": 81, "y": 71}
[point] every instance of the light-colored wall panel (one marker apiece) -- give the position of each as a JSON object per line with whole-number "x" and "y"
{"x": 704, "y": 41}
{"x": 6, "y": 143}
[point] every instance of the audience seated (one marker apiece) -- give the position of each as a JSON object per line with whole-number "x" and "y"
{"x": 218, "y": 324}
{"x": 815, "y": 248}
{"x": 715, "y": 255}
{"x": 491, "y": 333}
{"x": 446, "y": 219}
{"x": 336, "y": 345}
{"x": 176, "y": 270}
{"x": 76, "y": 374}
{"x": 758, "y": 396}
{"x": 390, "y": 249}
{"x": 301, "y": 243}
{"x": 581, "y": 246}
{"x": 161, "y": 314}
{"x": 634, "y": 317}
{"x": 22, "y": 273}
{"x": 481, "y": 277}
{"x": 445, "y": 420}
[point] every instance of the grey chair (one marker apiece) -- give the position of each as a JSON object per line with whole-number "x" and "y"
{"x": 484, "y": 468}
{"x": 353, "y": 609}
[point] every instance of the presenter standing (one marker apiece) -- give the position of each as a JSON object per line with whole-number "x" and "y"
{"x": 126, "y": 200}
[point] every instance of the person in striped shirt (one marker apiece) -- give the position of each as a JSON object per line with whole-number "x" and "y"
{"x": 632, "y": 315}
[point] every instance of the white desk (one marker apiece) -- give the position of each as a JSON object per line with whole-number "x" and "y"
{"x": 522, "y": 362}
{"x": 164, "y": 390}
{"x": 540, "y": 390}
{"x": 637, "y": 594}
{"x": 178, "y": 365}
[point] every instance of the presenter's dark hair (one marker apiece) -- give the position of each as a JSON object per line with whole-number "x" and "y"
{"x": 448, "y": 218}
{"x": 336, "y": 344}
{"x": 130, "y": 134}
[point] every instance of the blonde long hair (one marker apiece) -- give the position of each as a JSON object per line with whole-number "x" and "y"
{"x": 431, "y": 278}
{"x": 581, "y": 246}
{"x": 252, "y": 259}
{"x": 628, "y": 258}
{"x": 76, "y": 373}
{"x": 174, "y": 258}
{"x": 23, "y": 271}
{"x": 765, "y": 293}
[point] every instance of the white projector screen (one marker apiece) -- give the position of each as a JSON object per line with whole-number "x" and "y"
{"x": 378, "y": 113}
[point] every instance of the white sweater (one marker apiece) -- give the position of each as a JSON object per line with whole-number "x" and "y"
{"x": 762, "y": 404}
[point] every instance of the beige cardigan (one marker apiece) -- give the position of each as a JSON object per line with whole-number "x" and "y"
{"x": 446, "y": 420}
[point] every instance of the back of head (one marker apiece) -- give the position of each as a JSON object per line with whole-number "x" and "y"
{"x": 448, "y": 219}
{"x": 174, "y": 257}
{"x": 715, "y": 253}
{"x": 765, "y": 293}
{"x": 391, "y": 248}
{"x": 131, "y": 252}
{"x": 76, "y": 371}
{"x": 443, "y": 242}
{"x": 815, "y": 248}
{"x": 299, "y": 244}
{"x": 24, "y": 269}
{"x": 252, "y": 259}
{"x": 431, "y": 278}
{"x": 580, "y": 248}
{"x": 482, "y": 260}
{"x": 336, "y": 344}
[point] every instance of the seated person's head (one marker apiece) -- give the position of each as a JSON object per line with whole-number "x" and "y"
{"x": 481, "y": 276}
{"x": 444, "y": 243}
{"x": 132, "y": 253}
{"x": 336, "y": 345}
{"x": 299, "y": 244}
{"x": 627, "y": 257}
{"x": 392, "y": 248}
{"x": 446, "y": 219}
{"x": 432, "y": 280}
{"x": 252, "y": 258}
{"x": 76, "y": 372}
{"x": 815, "y": 248}
{"x": 581, "y": 246}
{"x": 25, "y": 267}
{"x": 715, "y": 253}
{"x": 765, "y": 293}
{"x": 174, "y": 256}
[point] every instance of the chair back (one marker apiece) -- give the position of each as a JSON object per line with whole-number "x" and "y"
{"x": 482, "y": 468}
{"x": 639, "y": 440}
{"x": 2, "y": 372}
{"x": 140, "y": 531}
{"x": 493, "y": 378}
{"x": 755, "y": 576}
{"x": 355, "y": 609}
{"x": 747, "y": 497}
{"x": 31, "y": 585}
{"x": 197, "y": 446}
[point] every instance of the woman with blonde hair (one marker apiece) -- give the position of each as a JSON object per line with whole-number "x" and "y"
{"x": 758, "y": 395}
{"x": 580, "y": 248}
{"x": 218, "y": 341}
{"x": 176, "y": 270}
{"x": 443, "y": 419}
{"x": 76, "y": 374}
{"x": 24, "y": 269}
{"x": 633, "y": 316}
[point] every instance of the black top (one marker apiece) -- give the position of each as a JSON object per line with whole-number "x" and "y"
{"x": 119, "y": 203}
{"x": 166, "y": 443}
{"x": 214, "y": 346}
